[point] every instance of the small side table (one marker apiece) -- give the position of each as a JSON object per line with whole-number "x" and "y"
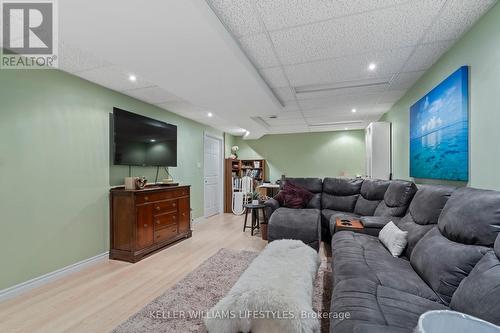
{"x": 254, "y": 209}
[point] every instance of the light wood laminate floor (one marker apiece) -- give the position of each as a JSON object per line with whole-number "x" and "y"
{"x": 100, "y": 297}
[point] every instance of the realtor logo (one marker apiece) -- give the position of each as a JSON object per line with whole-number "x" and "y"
{"x": 29, "y": 34}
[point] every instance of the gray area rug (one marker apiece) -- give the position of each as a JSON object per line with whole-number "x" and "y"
{"x": 180, "y": 309}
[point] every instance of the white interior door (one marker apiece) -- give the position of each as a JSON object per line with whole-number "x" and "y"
{"x": 213, "y": 175}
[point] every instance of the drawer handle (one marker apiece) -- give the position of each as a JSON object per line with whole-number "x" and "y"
{"x": 146, "y": 198}
{"x": 158, "y": 208}
{"x": 174, "y": 217}
{"x": 157, "y": 221}
{"x": 183, "y": 214}
{"x": 145, "y": 225}
{"x": 174, "y": 204}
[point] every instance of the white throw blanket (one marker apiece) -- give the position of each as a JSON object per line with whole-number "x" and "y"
{"x": 274, "y": 294}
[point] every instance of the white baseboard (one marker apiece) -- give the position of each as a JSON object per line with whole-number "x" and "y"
{"x": 49, "y": 277}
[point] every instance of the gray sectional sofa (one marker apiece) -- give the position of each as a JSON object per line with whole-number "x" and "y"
{"x": 381, "y": 200}
{"x": 452, "y": 260}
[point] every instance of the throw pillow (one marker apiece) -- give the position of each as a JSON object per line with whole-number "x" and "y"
{"x": 293, "y": 196}
{"x": 393, "y": 238}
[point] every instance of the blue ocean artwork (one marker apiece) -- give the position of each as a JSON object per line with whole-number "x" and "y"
{"x": 439, "y": 131}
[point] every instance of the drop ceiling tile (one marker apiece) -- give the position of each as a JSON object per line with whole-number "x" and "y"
{"x": 346, "y": 91}
{"x": 113, "y": 77}
{"x": 278, "y": 14}
{"x": 357, "y": 34}
{"x": 238, "y": 16}
{"x": 346, "y": 102}
{"x": 259, "y": 49}
{"x": 457, "y": 17}
{"x": 153, "y": 95}
{"x": 348, "y": 68}
{"x": 406, "y": 80}
{"x": 74, "y": 60}
{"x": 275, "y": 77}
{"x": 426, "y": 55}
{"x": 284, "y": 94}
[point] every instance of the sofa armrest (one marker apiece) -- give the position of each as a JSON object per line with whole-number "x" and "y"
{"x": 271, "y": 205}
{"x": 373, "y": 224}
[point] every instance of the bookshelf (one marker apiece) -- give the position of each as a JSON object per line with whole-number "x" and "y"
{"x": 240, "y": 168}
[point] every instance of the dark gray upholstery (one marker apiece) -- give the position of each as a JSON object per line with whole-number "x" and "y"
{"x": 370, "y": 303}
{"x": 479, "y": 293}
{"x": 373, "y": 224}
{"x": 356, "y": 255}
{"x": 443, "y": 263}
{"x": 313, "y": 185}
{"x": 371, "y": 194}
{"x": 300, "y": 224}
{"x": 396, "y": 199}
{"x": 424, "y": 212}
{"x": 449, "y": 265}
{"x": 340, "y": 193}
{"x": 271, "y": 206}
{"x": 472, "y": 216}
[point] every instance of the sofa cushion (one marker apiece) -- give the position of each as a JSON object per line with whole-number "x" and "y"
{"x": 443, "y": 263}
{"x": 479, "y": 293}
{"x": 344, "y": 203}
{"x": 366, "y": 207}
{"x": 342, "y": 186}
{"x": 368, "y": 302}
{"x": 300, "y": 224}
{"x": 359, "y": 255}
{"x": 396, "y": 199}
{"x": 371, "y": 194}
{"x": 423, "y": 213}
{"x": 471, "y": 216}
{"x": 393, "y": 238}
{"x": 313, "y": 185}
{"x": 428, "y": 203}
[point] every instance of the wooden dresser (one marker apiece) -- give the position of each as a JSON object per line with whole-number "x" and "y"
{"x": 147, "y": 220}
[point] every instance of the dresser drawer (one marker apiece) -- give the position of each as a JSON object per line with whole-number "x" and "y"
{"x": 141, "y": 198}
{"x": 165, "y": 233}
{"x": 166, "y": 206}
{"x": 163, "y": 220}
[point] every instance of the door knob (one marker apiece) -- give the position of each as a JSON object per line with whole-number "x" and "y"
{"x": 145, "y": 225}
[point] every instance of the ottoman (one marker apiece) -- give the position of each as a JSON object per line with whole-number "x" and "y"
{"x": 273, "y": 295}
{"x": 299, "y": 224}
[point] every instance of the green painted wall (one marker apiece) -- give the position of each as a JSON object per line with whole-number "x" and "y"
{"x": 326, "y": 154}
{"x": 479, "y": 49}
{"x": 55, "y": 169}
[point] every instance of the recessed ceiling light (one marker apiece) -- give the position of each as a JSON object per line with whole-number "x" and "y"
{"x": 346, "y": 128}
{"x": 247, "y": 133}
{"x": 354, "y": 110}
{"x": 210, "y": 114}
{"x": 372, "y": 66}
{"x": 152, "y": 140}
{"x": 132, "y": 78}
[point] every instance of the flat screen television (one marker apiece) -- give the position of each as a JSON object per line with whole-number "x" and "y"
{"x": 142, "y": 141}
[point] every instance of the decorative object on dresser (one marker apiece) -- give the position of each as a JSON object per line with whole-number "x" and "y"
{"x": 147, "y": 220}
